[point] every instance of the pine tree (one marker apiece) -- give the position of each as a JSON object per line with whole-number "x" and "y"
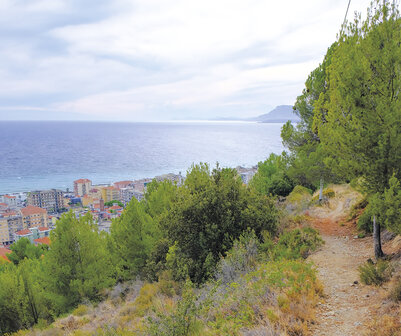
{"x": 363, "y": 128}
{"x": 78, "y": 264}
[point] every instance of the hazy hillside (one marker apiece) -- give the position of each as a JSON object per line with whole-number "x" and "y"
{"x": 280, "y": 114}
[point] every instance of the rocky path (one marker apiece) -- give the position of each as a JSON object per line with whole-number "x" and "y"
{"x": 347, "y": 304}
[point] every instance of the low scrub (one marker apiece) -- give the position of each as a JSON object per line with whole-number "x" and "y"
{"x": 327, "y": 194}
{"x": 299, "y": 199}
{"x": 375, "y": 274}
{"x": 296, "y": 244}
{"x": 81, "y": 310}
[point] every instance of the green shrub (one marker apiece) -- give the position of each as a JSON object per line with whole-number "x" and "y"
{"x": 327, "y": 193}
{"x": 240, "y": 260}
{"x": 375, "y": 274}
{"x": 298, "y": 243}
{"x": 299, "y": 199}
{"x": 365, "y": 221}
{"x": 81, "y": 310}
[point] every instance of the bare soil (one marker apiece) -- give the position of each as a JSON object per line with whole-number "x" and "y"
{"x": 347, "y": 306}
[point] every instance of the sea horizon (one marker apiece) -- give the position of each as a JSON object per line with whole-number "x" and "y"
{"x": 52, "y": 154}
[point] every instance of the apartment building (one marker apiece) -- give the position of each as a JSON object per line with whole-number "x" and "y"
{"x": 126, "y": 194}
{"x": 4, "y": 232}
{"x": 11, "y": 201}
{"x": 82, "y": 187}
{"x": 34, "y": 216}
{"x": 51, "y": 200}
{"x": 10, "y": 223}
{"x": 110, "y": 194}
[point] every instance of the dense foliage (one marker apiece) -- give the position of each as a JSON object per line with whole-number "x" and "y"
{"x": 272, "y": 177}
{"x": 181, "y": 230}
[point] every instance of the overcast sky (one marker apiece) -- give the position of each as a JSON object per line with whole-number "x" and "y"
{"x": 148, "y": 60}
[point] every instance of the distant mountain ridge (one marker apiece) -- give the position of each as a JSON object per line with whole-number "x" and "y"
{"x": 280, "y": 114}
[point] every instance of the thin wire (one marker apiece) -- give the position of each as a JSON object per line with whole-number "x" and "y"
{"x": 345, "y": 18}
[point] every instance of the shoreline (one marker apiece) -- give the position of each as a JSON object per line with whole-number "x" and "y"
{"x": 70, "y": 189}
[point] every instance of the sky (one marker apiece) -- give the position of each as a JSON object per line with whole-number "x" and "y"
{"x": 160, "y": 60}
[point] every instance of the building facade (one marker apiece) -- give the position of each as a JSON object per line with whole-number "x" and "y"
{"x": 34, "y": 217}
{"x": 11, "y": 201}
{"x": 110, "y": 194}
{"x": 9, "y": 225}
{"x": 33, "y": 234}
{"x": 52, "y": 200}
{"x": 82, "y": 187}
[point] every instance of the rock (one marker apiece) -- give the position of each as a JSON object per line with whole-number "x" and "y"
{"x": 355, "y": 237}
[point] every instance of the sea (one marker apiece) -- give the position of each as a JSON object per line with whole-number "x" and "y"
{"x": 41, "y": 155}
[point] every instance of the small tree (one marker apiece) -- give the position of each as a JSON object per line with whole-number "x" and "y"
{"x": 211, "y": 211}
{"x": 78, "y": 264}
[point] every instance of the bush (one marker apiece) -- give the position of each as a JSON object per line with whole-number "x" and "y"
{"x": 299, "y": 198}
{"x": 375, "y": 274}
{"x": 81, "y": 310}
{"x": 182, "y": 321}
{"x": 365, "y": 221}
{"x": 298, "y": 243}
{"x": 240, "y": 260}
{"x": 327, "y": 193}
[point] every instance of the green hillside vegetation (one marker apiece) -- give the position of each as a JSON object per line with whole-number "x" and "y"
{"x": 216, "y": 257}
{"x": 256, "y": 287}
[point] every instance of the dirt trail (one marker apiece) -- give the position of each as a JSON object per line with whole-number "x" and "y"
{"x": 347, "y": 303}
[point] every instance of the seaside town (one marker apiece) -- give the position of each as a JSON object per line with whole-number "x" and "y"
{"x": 34, "y": 214}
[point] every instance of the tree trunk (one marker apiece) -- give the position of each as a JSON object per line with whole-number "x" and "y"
{"x": 321, "y": 190}
{"x": 376, "y": 238}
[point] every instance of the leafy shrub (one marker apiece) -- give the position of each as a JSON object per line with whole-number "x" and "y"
{"x": 299, "y": 199}
{"x": 240, "y": 260}
{"x": 298, "y": 192}
{"x": 365, "y": 221}
{"x": 327, "y": 193}
{"x": 81, "y": 310}
{"x": 298, "y": 243}
{"x": 375, "y": 274}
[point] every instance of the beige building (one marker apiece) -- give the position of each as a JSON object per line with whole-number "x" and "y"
{"x": 52, "y": 200}
{"x": 82, "y": 187}
{"x": 10, "y": 223}
{"x": 110, "y": 194}
{"x": 34, "y": 217}
{"x": 4, "y": 232}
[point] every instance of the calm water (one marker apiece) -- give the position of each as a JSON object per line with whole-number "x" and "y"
{"x": 38, "y": 155}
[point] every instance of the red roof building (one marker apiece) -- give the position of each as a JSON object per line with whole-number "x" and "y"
{"x": 43, "y": 240}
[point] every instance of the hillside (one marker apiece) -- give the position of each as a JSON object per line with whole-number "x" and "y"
{"x": 280, "y": 114}
{"x": 255, "y": 295}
